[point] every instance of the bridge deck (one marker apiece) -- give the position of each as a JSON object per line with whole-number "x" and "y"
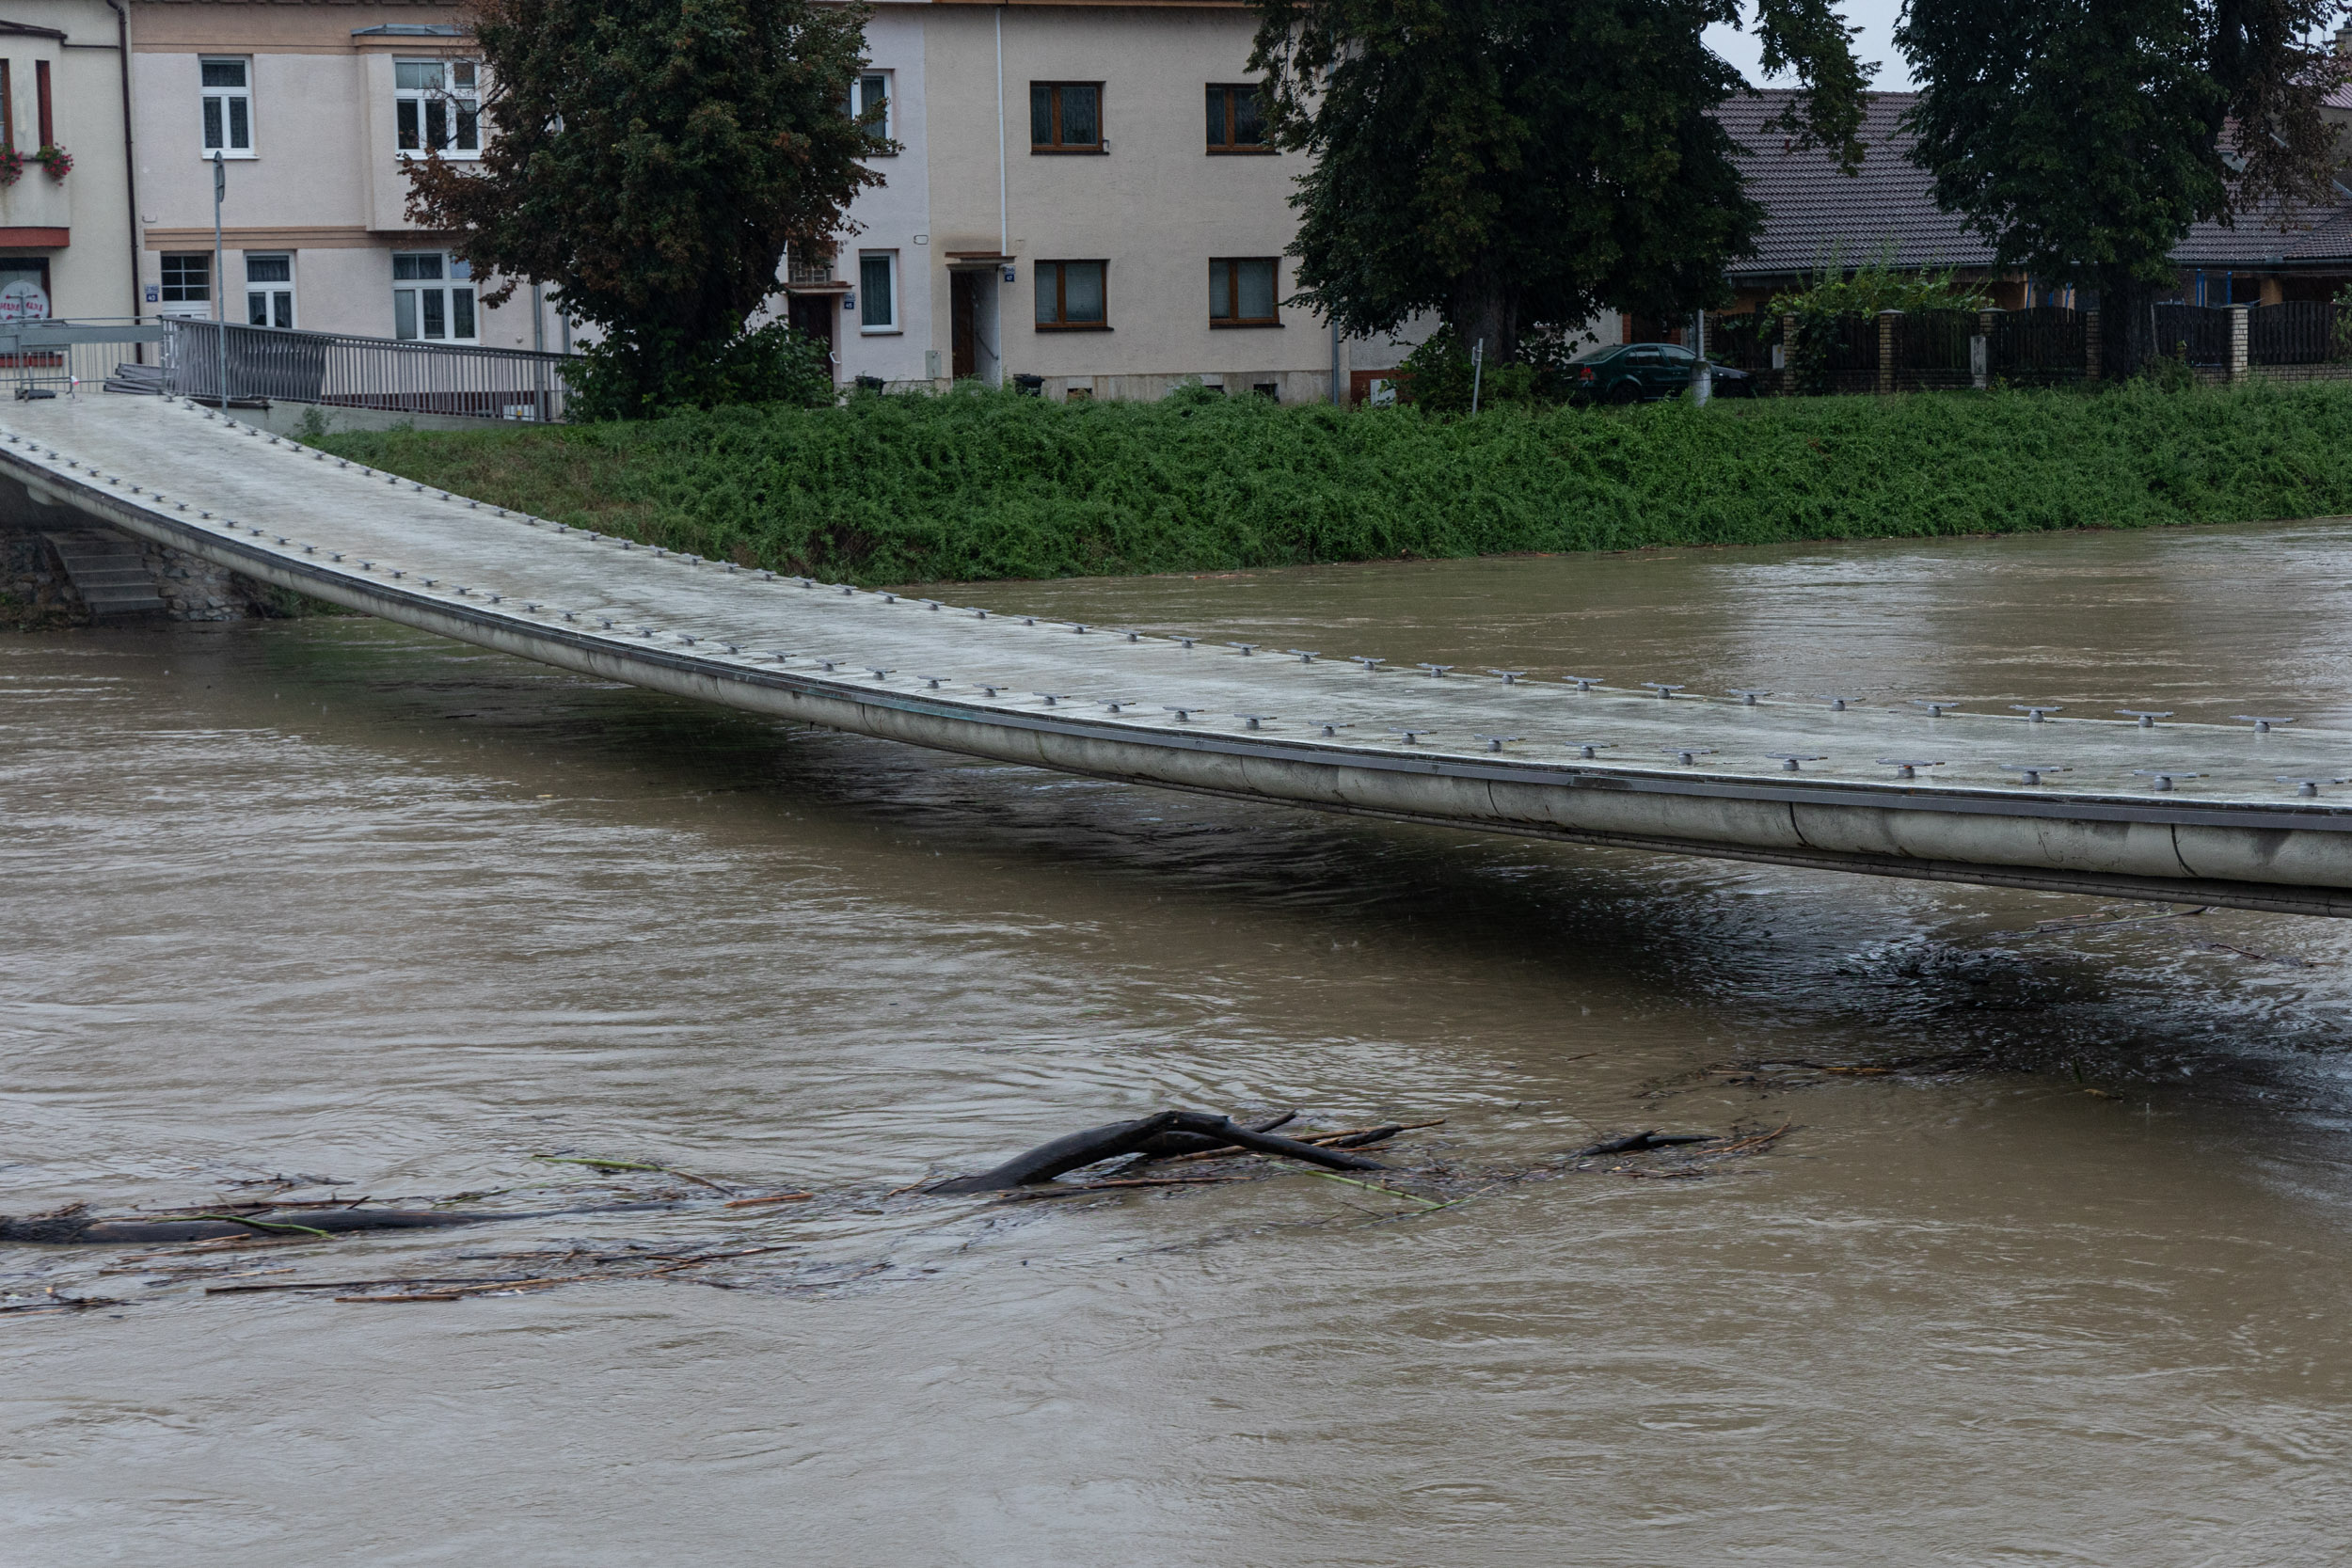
{"x": 1697, "y": 773}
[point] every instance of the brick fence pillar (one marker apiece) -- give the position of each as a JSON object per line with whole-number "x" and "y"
{"x": 1980, "y": 350}
{"x": 1887, "y": 350}
{"x": 2090, "y": 346}
{"x": 1787, "y": 355}
{"x": 2237, "y": 343}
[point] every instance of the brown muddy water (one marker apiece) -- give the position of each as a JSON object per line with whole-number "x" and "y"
{"x": 333, "y": 901}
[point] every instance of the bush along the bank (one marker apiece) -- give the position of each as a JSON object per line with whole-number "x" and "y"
{"x": 978, "y": 485}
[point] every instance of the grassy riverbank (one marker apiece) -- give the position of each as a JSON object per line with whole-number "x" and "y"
{"x": 992, "y": 486}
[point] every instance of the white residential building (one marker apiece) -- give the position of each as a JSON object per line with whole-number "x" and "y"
{"x": 1081, "y": 194}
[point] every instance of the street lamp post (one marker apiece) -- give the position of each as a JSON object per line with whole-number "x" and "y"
{"x": 220, "y": 277}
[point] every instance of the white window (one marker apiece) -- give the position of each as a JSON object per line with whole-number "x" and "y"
{"x": 187, "y": 284}
{"x": 877, "y": 290}
{"x": 269, "y": 289}
{"x": 438, "y": 108}
{"x": 228, "y": 106}
{"x": 432, "y": 297}
{"x": 869, "y": 94}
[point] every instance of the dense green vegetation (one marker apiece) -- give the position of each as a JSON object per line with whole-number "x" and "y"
{"x": 974, "y": 484}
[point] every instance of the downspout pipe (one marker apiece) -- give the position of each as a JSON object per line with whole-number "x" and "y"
{"x": 1004, "y": 206}
{"x": 129, "y": 160}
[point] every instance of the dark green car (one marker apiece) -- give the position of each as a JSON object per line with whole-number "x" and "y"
{"x": 1640, "y": 373}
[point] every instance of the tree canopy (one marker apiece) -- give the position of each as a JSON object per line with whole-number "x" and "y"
{"x": 1515, "y": 163}
{"x": 652, "y": 159}
{"x": 2084, "y": 139}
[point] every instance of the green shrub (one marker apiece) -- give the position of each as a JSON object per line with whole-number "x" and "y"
{"x": 985, "y": 484}
{"x": 650, "y": 372}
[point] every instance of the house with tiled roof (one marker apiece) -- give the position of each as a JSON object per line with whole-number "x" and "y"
{"x": 1816, "y": 212}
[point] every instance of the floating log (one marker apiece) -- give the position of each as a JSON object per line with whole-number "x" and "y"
{"x": 1633, "y": 1141}
{"x": 1049, "y": 1160}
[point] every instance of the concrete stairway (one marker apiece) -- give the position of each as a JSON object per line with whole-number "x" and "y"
{"x": 109, "y": 573}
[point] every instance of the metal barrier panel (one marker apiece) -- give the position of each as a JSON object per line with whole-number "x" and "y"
{"x": 338, "y": 370}
{"x": 59, "y": 358}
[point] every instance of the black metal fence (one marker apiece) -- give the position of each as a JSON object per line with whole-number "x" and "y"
{"x": 2199, "y": 334}
{"x": 1835, "y": 354}
{"x": 1907, "y": 350}
{"x": 201, "y": 359}
{"x": 1932, "y": 349}
{"x": 2036, "y": 347}
{"x": 1744, "y": 342}
{"x": 2299, "y": 332}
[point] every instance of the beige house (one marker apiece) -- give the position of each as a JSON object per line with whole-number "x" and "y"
{"x": 310, "y": 110}
{"x": 1082, "y": 194}
{"x": 66, "y": 241}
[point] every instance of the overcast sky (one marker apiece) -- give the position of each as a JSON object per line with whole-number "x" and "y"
{"x": 1876, "y": 18}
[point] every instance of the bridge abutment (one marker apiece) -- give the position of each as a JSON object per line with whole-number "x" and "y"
{"x": 45, "y": 584}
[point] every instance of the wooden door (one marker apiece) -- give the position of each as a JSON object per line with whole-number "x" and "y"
{"x": 812, "y": 316}
{"x": 963, "y": 308}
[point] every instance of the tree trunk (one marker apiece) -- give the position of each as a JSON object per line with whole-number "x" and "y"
{"x": 2127, "y": 324}
{"x": 1484, "y": 306}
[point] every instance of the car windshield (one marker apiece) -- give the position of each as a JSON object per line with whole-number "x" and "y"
{"x": 1595, "y": 356}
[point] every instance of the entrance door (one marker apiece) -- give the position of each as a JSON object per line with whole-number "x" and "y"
{"x": 963, "y": 308}
{"x": 813, "y": 316}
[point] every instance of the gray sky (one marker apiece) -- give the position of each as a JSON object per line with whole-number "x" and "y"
{"x": 1876, "y": 18}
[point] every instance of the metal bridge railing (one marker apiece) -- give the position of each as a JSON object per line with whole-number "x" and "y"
{"x": 201, "y": 359}
{"x": 341, "y": 370}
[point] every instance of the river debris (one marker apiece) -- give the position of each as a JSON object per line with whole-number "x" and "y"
{"x": 1692, "y": 1155}
{"x": 1166, "y": 1132}
{"x": 55, "y": 1300}
{"x": 228, "y": 1248}
{"x": 1628, "y": 1142}
{"x": 75, "y": 1225}
{"x": 280, "y": 1220}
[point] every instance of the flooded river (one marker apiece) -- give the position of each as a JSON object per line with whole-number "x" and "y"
{"x": 331, "y": 902}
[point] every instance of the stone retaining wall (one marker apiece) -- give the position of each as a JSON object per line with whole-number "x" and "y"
{"x": 37, "y": 595}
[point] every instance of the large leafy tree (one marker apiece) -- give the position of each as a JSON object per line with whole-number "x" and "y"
{"x": 2084, "y": 138}
{"x": 1515, "y": 162}
{"x": 652, "y": 159}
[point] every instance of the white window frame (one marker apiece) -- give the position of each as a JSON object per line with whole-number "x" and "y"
{"x": 271, "y": 292}
{"x": 185, "y": 306}
{"x": 867, "y": 326}
{"x": 440, "y": 291}
{"x": 208, "y": 96}
{"x": 413, "y": 106}
{"x": 888, "y": 128}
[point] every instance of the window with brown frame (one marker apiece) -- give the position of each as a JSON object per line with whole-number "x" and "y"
{"x": 1071, "y": 296}
{"x": 7, "y": 109}
{"x": 1242, "y": 290}
{"x": 1066, "y": 117}
{"x": 40, "y": 91}
{"x": 1236, "y": 118}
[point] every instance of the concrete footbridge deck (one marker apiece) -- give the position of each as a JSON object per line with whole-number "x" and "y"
{"x": 2255, "y": 812}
